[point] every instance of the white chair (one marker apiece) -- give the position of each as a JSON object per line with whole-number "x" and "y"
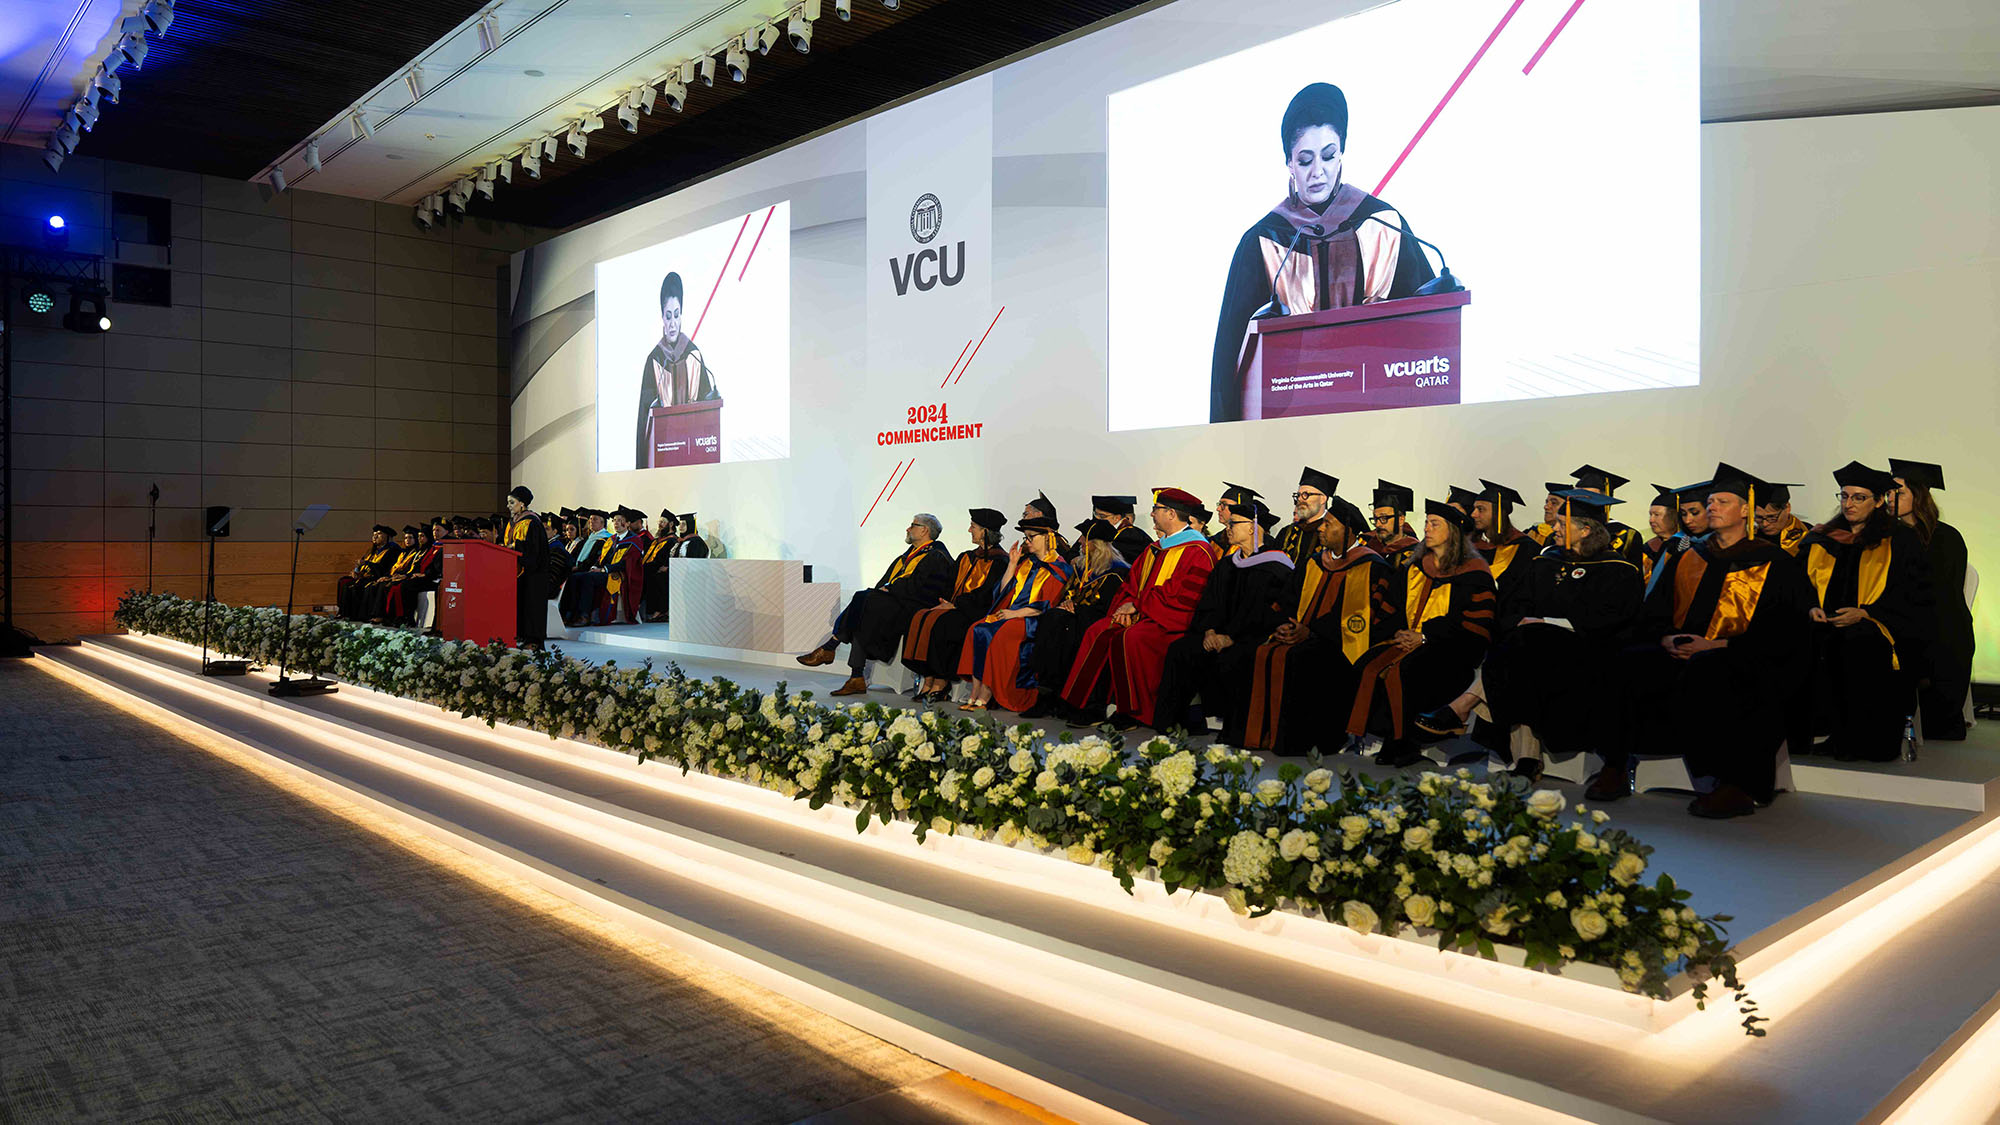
{"x": 427, "y": 610}
{"x": 1971, "y": 594}
{"x": 557, "y": 631}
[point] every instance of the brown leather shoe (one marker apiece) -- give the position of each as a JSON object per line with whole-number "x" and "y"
{"x": 855, "y": 685}
{"x": 817, "y": 657}
{"x": 1611, "y": 783}
{"x": 1722, "y": 803}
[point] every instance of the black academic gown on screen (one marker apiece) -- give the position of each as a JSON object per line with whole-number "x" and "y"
{"x": 1864, "y": 675}
{"x": 1557, "y": 679}
{"x": 1947, "y": 668}
{"x": 876, "y": 618}
{"x": 1246, "y": 597}
{"x": 1059, "y": 631}
{"x": 1723, "y": 711}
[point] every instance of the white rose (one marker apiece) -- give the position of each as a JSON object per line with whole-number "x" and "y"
{"x": 1420, "y": 909}
{"x": 1319, "y": 781}
{"x": 1293, "y": 844}
{"x": 1589, "y": 924}
{"x": 1359, "y": 916}
{"x": 1021, "y": 762}
{"x": 1627, "y": 869}
{"x": 969, "y": 744}
{"x": 982, "y": 777}
{"x": 1045, "y": 781}
{"x": 1417, "y": 838}
{"x": 1097, "y": 757}
{"x": 1159, "y": 852}
{"x": 1546, "y": 803}
{"x": 1270, "y": 791}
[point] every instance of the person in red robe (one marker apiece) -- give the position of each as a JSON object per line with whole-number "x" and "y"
{"x": 1130, "y": 646}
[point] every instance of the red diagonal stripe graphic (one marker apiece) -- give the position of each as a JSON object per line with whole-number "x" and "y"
{"x": 719, "y": 276}
{"x": 759, "y": 240}
{"x": 982, "y": 343}
{"x": 954, "y": 363}
{"x": 1543, "y": 49}
{"x": 879, "y": 492}
{"x": 901, "y": 479}
{"x": 1446, "y": 100}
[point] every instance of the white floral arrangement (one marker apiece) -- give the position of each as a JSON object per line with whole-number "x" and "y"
{"x": 1473, "y": 862}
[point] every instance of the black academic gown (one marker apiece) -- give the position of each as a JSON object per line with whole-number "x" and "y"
{"x": 1556, "y": 679}
{"x": 351, "y": 592}
{"x": 1947, "y": 668}
{"x": 1291, "y": 698}
{"x": 876, "y": 618}
{"x": 1510, "y": 563}
{"x": 1129, "y": 542}
{"x": 531, "y": 581}
{"x": 1245, "y": 598}
{"x": 1723, "y": 711}
{"x": 654, "y": 566}
{"x": 1864, "y": 675}
{"x": 936, "y": 634}
{"x": 1059, "y": 631}
{"x": 1300, "y": 541}
{"x": 1455, "y": 613}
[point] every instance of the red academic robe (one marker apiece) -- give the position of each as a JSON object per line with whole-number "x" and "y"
{"x": 1166, "y": 585}
{"x": 626, "y": 584}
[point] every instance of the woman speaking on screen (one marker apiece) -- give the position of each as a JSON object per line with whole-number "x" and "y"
{"x": 674, "y": 374}
{"x": 1339, "y": 253}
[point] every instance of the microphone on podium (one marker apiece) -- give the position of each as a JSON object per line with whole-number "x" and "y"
{"x": 1275, "y": 307}
{"x": 1444, "y": 282}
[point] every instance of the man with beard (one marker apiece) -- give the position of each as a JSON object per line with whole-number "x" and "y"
{"x": 1392, "y": 537}
{"x": 1300, "y": 538}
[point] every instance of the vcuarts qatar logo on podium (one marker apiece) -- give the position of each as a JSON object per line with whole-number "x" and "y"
{"x": 930, "y": 266}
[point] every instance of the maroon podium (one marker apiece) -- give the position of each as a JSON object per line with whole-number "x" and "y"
{"x": 477, "y": 594}
{"x": 688, "y": 434}
{"x": 1363, "y": 357}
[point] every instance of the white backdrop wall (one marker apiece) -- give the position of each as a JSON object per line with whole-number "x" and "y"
{"x": 1850, "y": 277}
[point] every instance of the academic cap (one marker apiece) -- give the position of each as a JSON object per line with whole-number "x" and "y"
{"x": 1254, "y": 509}
{"x": 1036, "y": 523}
{"x": 1116, "y": 505}
{"x": 1697, "y": 492}
{"x": 1390, "y": 495}
{"x": 1345, "y": 512}
{"x": 1201, "y": 515}
{"x": 1499, "y": 494}
{"x": 1043, "y": 504}
{"x": 1449, "y": 514}
{"x": 1179, "y": 500}
{"x": 1854, "y": 474}
{"x": 1590, "y": 476}
{"x": 567, "y": 513}
{"x": 1730, "y": 479}
{"x": 1462, "y": 497}
{"x": 409, "y": 529}
{"x": 989, "y": 519}
{"x": 1595, "y": 504}
{"x": 1666, "y": 496}
{"x": 1236, "y": 495}
{"x": 632, "y": 514}
{"x": 668, "y": 514}
{"x": 1097, "y": 529}
{"x": 1918, "y": 474}
{"x": 483, "y": 523}
{"x": 384, "y": 529}
{"x": 520, "y": 492}
{"x": 686, "y": 517}
{"x": 1557, "y": 487}
{"x": 1325, "y": 482}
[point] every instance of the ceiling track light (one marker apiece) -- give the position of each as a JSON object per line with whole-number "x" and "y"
{"x": 484, "y": 187}
{"x": 312, "y": 155}
{"x": 489, "y": 34}
{"x": 737, "y": 60}
{"x": 278, "y": 180}
{"x": 706, "y": 69}
{"x": 844, "y": 9}
{"x": 551, "y": 146}
{"x": 799, "y": 30}
{"x": 676, "y": 93}
{"x": 531, "y": 161}
{"x": 64, "y": 138}
{"x": 358, "y": 126}
{"x": 892, "y": 5}
{"x": 628, "y": 114}
{"x": 648, "y": 98}
{"x": 576, "y": 140}
{"x": 108, "y": 82}
{"x": 53, "y": 157}
{"x": 132, "y": 49}
{"x": 504, "y": 169}
{"x": 86, "y": 113}
{"x": 159, "y": 15}
{"x": 767, "y": 38}
{"x": 423, "y": 210}
{"x": 413, "y": 79}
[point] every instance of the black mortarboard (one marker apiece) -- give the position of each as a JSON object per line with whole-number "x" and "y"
{"x": 483, "y": 523}
{"x": 1499, "y": 494}
{"x": 1449, "y": 514}
{"x": 438, "y": 519}
{"x": 686, "y": 517}
{"x": 1557, "y": 487}
{"x": 989, "y": 519}
{"x": 1740, "y": 482}
{"x": 668, "y": 514}
{"x": 520, "y": 492}
{"x": 567, "y": 513}
{"x": 384, "y": 529}
{"x": 1348, "y": 514}
{"x": 1590, "y": 476}
{"x": 1036, "y": 523}
{"x": 1462, "y": 497}
{"x": 1237, "y": 494}
{"x": 1201, "y": 514}
{"x": 1388, "y": 495}
{"x": 409, "y": 529}
{"x": 1325, "y": 482}
{"x": 1666, "y": 496}
{"x": 1854, "y": 474}
{"x": 1918, "y": 474}
{"x": 1596, "y": 505}
{"x": 1696, "y": 492}
{"x": 1097, "y": 529}
{"x": 1776, "y": 494}
{"x": 1043, "y": 504}
{"x": 1262, "y": 514}
{"x": 1116, "y": 505}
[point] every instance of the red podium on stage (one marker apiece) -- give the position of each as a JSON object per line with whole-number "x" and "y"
{"x": 689, "y": 434}
{"x": 476, "y": 596}
{"x": 1362, "y": 357}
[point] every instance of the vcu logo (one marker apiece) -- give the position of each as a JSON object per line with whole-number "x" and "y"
{"x": 933, "y": 265}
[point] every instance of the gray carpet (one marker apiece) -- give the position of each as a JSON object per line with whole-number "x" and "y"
{"x": 181, "y": 939}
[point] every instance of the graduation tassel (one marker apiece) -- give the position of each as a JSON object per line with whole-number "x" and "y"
{"x": 1569, "y": 527}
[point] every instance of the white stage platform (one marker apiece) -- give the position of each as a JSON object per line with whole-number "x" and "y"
{"x": 1863, "y": 923}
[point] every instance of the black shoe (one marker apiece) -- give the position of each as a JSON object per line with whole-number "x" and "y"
{"x": 1527, "y": 769}
{"x": 1438, "y": 725}
{"x": 1397, "y": 753}
{"x": 1612, "y": 783}
{"x": 1080, "y": 720}
{"x": 1045, "y": 705}
{"x": 1723, "y": 802}
{"x": 1121, "y": 722}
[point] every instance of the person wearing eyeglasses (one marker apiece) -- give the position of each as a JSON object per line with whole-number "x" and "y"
{"x": 999, "y": 651}
{"x": 1392, "y": 537}
{"x": 1300, "y": 538}
{"x": 873, "y": 624}
{"x": 1100, "y": 577}
{"x": 1242, "y": 603}
{"x": 937, "y": 633}
{"x": 1946, "y": 677}
{"x": 1776, "y": 522}
{"x": 1874, "y": 618}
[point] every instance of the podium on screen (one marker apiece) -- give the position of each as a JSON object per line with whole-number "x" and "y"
{"x": 688, "y": 434}
{"x": 1377, "y": 356}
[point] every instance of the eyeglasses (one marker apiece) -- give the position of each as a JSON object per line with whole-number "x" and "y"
{"x": 1307, "y": 495}
{"x": 1855, "y": 497}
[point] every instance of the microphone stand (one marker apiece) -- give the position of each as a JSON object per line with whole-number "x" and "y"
{"x": 1444, "y": 282}
{"x": 152, "y": 525}
{"x": 216, "y": 667}
{"x": 283, "y": 687}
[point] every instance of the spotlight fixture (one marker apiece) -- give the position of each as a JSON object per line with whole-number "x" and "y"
{"x": 648, "y": 97}
{"x": 159, "y": 16}
{"x": 458, "y": 194}
{"x": 39, "y": 301}
{"x": 312, "y": 155}
{"x": 86, "y": 308}
{"x": 628, "y": 114}
{"x": 64, "y": 138}
{"x": 892, "y": 5}
{"x": 706, "y": 68}
{"x": 576, "y": 140}
{"x": 53, "y": 157}
{"x": 676, "y": 93}
{"x": 86, "y": 113}
{"x": 489, "y": 34}
{"x": 132, "y": 49}
{"x": 484, "y": 186}
{"x": 767, "y": 38}
{"x": 686, "y": 72}
{"x": 844, "y": 9}
{"x": 551, "y": 147}
{"x": 800, "y": 31}
{"x": 531, "y": 161}
{"x": 504, "y": 169}
{"x": 358, "y": 127}
{"x": 108, "y": 82}
{"x": 413, "y": 79}
{"x": 737, "y": 60}
{"x": 424, "y": 214}
{"x": 55, "y": 232}
{"x": 278, "y": 180}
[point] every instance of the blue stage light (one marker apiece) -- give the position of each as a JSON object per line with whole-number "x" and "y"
{"x": 55, "y": 233}
{"x": 56, "y": 222}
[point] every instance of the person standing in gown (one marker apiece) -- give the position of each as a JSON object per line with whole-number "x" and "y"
{"x": 1946, "y": 674}
{"x": 873, "y": 623}
{"x": 1713, "y": 661}
{"x": 1447, "y": 623}
{"x": 1874, "y": 619}
{"x": 998, "y": 651}
{"x": 1341, "y": 603}
{"x": 936, "y": 633}
{"x": 526, "y": 534}
{"x": 1242, "y": 603}
{"x": 1100, "y": 578}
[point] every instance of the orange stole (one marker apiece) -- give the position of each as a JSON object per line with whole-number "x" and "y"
{"x": 972, "y": 572}
{"x": 1003, "y": 652}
